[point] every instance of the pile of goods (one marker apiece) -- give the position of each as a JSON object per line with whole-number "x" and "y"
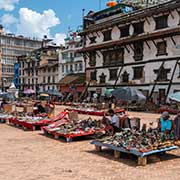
{"x": 141, "y": 141}
{"x": 30, "y": 119}
{"x": 5, "y": 116}
{"x": 26, "y": 119}
{"x": 76, "y": 127}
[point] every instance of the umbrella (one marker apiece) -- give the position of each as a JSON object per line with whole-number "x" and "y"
{"x": 129, "y": 94}
{"x": 44, "y": 94}
{"x": 29, "y": 91}
{"x": 175, "y": 96}
{"x": 108, "y": 92}
{"x": 54, "y": 92}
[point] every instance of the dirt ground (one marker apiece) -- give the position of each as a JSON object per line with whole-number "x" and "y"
{"x": 26, "y": 155}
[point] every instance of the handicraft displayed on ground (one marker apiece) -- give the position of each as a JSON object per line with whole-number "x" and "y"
{"x": 141, "y": 141}
{"x": 76, "y": 126}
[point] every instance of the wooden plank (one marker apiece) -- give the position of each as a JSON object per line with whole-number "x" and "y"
{"x": 98, "y": 148}
{"x": 142, "y": 161}
{"x": 117, "y": 154}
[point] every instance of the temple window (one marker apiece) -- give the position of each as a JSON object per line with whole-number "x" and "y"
{"x": 107, "y": 35}
{"x": 92, "y": 40}
{"x": 92, "y": 58}
{"x": 113, "y": 57}
{"x": 138, "y": 72}
{"x": 125, "y": 77}
{"x": 138, "y": 51}
{"x": 161, "y": 48}
{"x": 93, "y": 75}
{"x": 113, "y": 74}
{"x": 102, "y": 78}
{"x": 162, "y": 74}
{"x": 124, "y": 31}
{"x": 138, "y": 28}
{"x": 161, "y": 22}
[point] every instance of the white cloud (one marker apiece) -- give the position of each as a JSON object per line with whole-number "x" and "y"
{"x": 8, "y": 5}
{"x": 59, "y": 38}
{"x": 34, "y": 24}
{"x": 8, "y": 19}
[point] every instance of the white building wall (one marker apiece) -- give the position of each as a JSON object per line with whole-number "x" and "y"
{"x": 67, "y": 63}
{"x": 148, "y": 54}
{"x": 115, "y": 33}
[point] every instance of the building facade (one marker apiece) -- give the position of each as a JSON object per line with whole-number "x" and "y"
{"x": 70, "y": 61}
{"x": 71, "y": 64}
{"x": 39, "y": 69}
{"x": 140, "y": 49}
{"x": 12, "y": 46}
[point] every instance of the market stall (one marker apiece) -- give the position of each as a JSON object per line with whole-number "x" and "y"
{"x": 28, "y": 122}
{"x": 93, "y": 111}
{"x": 139, "y": 143}
{"x": 70, "y": 129}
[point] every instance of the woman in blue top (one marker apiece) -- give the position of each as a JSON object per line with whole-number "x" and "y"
{"x": 165, "y": 123}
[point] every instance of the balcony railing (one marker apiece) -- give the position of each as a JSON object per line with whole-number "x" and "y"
{"x": 69, "y": 59}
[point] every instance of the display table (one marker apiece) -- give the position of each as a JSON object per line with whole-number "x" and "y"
{"x": 36, "y": 125}
{"x": 142, "y": 157}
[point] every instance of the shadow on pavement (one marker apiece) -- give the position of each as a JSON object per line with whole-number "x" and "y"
{"x": 132, "y": 160}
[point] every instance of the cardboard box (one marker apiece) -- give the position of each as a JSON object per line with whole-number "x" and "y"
{"x": 28, "y": 109}
{"x": 9, "y": 108}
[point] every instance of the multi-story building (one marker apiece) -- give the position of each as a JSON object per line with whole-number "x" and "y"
{"x": 140, "y": 49}
{"x": 39, "y": 69}
{"x": 70, "y": 61}
{"x": 12, "y": 46}
{"x": 71, "y": 64}
{"x": 48, "y": 69}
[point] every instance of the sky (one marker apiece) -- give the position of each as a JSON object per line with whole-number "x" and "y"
{"x": 36, "y": 18}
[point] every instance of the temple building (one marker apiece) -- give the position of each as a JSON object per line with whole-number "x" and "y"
{"x": 137, "y": 47}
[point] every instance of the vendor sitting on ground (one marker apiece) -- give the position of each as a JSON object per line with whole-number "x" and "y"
{"x": 40, "y": 108}
{"x": 114, "y": 120}
{"x": 165, "y": 123}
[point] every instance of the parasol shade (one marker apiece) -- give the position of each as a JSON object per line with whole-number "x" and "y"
{"x": 108, "y": 92}
{"x": 44, "y": 94}
{"x": 54, "y": 92}
{"x": 129, "y": 95}
{"x": 175, "y": 96}
{"x": 29, "y": 91}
